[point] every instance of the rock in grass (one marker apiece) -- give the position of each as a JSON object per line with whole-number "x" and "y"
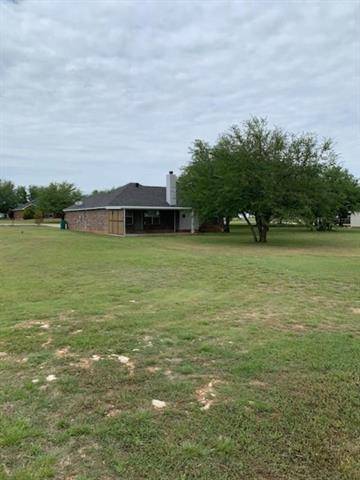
{"x": 159, "y": 404}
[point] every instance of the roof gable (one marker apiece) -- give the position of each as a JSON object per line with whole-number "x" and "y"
{"x": 23, "y": 206}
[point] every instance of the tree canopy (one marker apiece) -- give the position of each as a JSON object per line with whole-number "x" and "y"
{"x": 269, "y": 174}
{"x": 57, "y": 196}
{"x": 8, "y": 196}
{"x": 50, "y": 199}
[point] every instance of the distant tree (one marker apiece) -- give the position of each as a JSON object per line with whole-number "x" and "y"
{"x": 29, "y": 212}
{"x": 34, "y": 191}
{"x": 21, "y": 194}
{"x": 57, "y": 196}
{"x": 39, "y": 216}
{"x": 8, "y": 196}
{"x": 335, "y": 196}
{"x": 108, "y": 190}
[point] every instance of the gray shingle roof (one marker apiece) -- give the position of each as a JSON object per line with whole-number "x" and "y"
{"x": 23, "y": 206}
{"x": 130, "y": 195}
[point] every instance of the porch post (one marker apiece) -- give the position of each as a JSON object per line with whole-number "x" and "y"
{"x": 192, "y": 221}
{"x": 174, "y": 221}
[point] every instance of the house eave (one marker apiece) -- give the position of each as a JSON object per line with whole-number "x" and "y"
{"x": 128, "y": 207}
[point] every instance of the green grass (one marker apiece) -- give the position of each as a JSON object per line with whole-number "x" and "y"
{"x": 29, "y": 221}
{"x": 274, "y": 329}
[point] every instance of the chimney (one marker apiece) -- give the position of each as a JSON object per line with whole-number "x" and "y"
{"x": 171, "y": 188}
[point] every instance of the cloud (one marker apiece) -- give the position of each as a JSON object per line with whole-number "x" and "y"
{"x": 105, "y": 92}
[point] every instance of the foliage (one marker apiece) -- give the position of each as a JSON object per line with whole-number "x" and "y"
{"x": 269, "y": 174}
{"x": 108, "y": 190}
{"x": 337, "y": 194}
{"x": 21, "y": 194}
{"x": 8, "y": 196}
{"x": 35, "y": 191}
{"x": 39, "y": 216}
{"x": 29, "y": 212}
{"x": 57, "y": 196}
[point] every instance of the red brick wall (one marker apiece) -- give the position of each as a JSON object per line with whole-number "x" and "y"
{"x": 88, "y": 221}
{"x": 19, "y": 215}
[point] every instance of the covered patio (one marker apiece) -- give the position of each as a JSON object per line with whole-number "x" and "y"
{"x": 158, "y": 220}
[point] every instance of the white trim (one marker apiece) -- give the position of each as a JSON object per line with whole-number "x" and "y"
{"x": 82, "y": 209}
{"x": 153, "y": 207}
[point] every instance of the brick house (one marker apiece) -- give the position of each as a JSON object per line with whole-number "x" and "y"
{"x": 133, "y": 209}
{"x": 18, "y": 212}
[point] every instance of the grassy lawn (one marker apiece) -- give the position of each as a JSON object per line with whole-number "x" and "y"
{"x": 254, "y": 348}
{"x": 29, "y": 221}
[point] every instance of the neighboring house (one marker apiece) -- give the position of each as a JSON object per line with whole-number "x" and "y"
{"x": 355, "y": 219}
{"x": 133, "y": 209}
{"x": 18, "y": 212}
{"x": 351, "y": 220}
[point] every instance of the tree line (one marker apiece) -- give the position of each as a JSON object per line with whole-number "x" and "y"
{"x": 271, "y": 175}
{"x": 46, "y": 200}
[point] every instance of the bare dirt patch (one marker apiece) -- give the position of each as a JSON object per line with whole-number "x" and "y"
{"x": 48, "y": 342}
{"x": 258, "y": 383}
{"x": 152, "y": 369}
{"x": 297, "y": 327}
{"x": 76, "y": 332}
{"x": 63, "y": 352}
{"x": 125, "y": 361}
{"x": 206, "y": 395}
{"x": 114, "y": 412}
{"x": 32, "y": 323}
{"x": 63, "y": 316}
{"x": 85, "y": 363}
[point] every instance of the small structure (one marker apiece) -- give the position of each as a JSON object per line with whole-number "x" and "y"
{"x": 355, "y": 219}
{"x": 133, "y": 209}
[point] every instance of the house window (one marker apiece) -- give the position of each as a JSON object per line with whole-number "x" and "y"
{"x": 129, "y": 218}
{"x": 152, "y": 217}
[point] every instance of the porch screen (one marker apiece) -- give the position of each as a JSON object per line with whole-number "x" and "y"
{"x": 151, "y": 217}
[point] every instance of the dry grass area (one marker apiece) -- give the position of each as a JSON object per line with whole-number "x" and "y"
{"x": 179, "y": 357}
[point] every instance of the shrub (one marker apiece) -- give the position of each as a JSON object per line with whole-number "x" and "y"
{"x": 39, "y": 216}
{"x": 29, "y": 212}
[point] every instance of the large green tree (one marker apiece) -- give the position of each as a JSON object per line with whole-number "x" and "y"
{"x": 57, "y": 196}
{"x": 35, "y": 191}
{"x": 21, "y": 194}
{"x": 8, "y": 196}
{"x": 258, "y": 171}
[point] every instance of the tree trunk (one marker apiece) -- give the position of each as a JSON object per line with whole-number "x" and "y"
{"x": 253, "y": 231}
{"x": 263, "y": 228}
{"x": 227, "y": 225}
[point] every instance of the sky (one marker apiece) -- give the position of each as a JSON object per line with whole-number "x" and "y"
{"x": 101, "y": 93}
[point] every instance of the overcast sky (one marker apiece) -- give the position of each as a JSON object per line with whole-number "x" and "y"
{"x": 101, "y": 93}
